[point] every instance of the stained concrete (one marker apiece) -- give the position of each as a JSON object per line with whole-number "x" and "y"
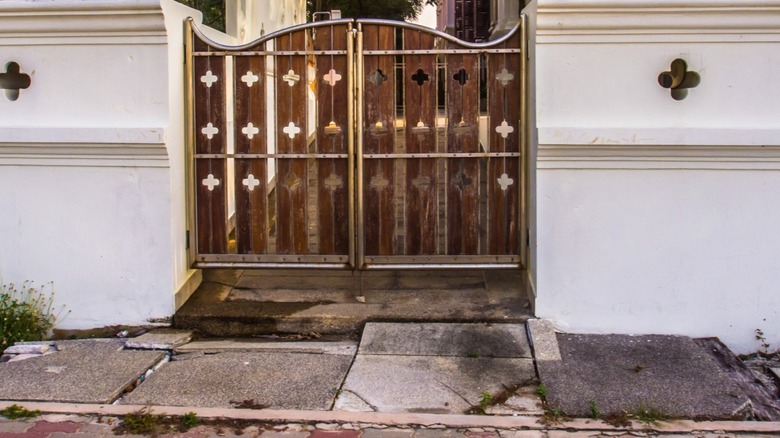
{"x": 460, "y": 340}
{"x": 273, "y": 380}
{"x": 81, "y": 372}
{"x": 627, "y": 374}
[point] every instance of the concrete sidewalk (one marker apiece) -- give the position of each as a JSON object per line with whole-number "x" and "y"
{"x": 449, "y": 375}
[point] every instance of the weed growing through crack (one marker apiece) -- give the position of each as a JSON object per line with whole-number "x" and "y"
{"x": 485, "y": 400}
{"x": 761, "y": 338}
{"x": 189, "y": 420}
{"x": 594, "y": 411}
{"x": 649, "y": 415}
{"x": 141, "y": 423}
{"x": 542, "y": 391}
{"x": 15, "y": 412}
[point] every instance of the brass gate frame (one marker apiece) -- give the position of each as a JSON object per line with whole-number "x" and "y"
{"x": 355, "y": 68}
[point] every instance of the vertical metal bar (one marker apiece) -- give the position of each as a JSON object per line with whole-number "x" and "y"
{"x": 358, "y": 87}
{"x": 522, "y": 208}
{"x": 351, "y": 142}
{"x": 189, "y": 143}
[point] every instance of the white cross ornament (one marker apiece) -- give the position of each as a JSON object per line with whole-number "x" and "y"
{"x": 332, "y": 77}
{"x": 291, "y": 130}
{"x": 210, "y": 182}
{"x": 505, "y": 181}
{"x": 250, "y": 130}
{"x": 249, "y": 78}
{"x": 291, "y": 78}
{"x": 250, "y": 182}
{"x": 209, "y": 78}
{"x": 210, "y": 130}
{"x": 505, "y": 129}
{"x": 504, "y": 76}
{"x": 333, "y": 182}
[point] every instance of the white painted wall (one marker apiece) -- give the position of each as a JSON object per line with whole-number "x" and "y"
{"x": 655, "y": 215}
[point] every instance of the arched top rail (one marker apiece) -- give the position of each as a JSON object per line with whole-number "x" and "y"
{"x": 371, "y": 21}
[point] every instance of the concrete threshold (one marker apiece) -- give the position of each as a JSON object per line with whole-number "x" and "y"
{"x": 405, "y": 419}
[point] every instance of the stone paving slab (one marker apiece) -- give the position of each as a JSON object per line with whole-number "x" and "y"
{"x": 274, "y": 380}
{"x": 626, "y": 374}
{"x": 81, "y": 372}
{"x": 445, "y": 339}
{"x": 428, "y": 384}
{"x": 160, "y": 339}
{"x": 348, "y": 348}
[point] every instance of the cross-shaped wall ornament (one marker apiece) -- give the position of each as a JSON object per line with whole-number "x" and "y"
{"x": 210, "y": 182}
{"x": 421, "y": 128}
{"x": 505, "y": 181}
{"x": 291, "y": 130}
{"x": 379, "y": 182}
{"x": 250, "y": 130}
{"x": 461, "y": 181}
{"x": 421, "y": 182}
{"x": 332, "y": 77}
{"x": 504, "y": 76}
{"x": 292, "y": 181}
{"x": 13, "y": 80}
{"x": 210, "y": 130}
{"x": 505, "y": 129}
{"x": 333, "y": 182}
{"x": 332, "y": 129}
{"x": 378, "y": 129}
{"x": 291, "y": 77}
{"x": 250, "y": 182}
{"x": 420, "y": 77}
{"x": 461, "y": 128}
{"x": 249, "y": 78}
{"x": 461, "y": 77}
{"x": 377, "y": 77}
{"x": 209, "y": 78}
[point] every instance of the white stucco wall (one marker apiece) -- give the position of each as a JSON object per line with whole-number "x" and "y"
{"x": 655, "y": 215}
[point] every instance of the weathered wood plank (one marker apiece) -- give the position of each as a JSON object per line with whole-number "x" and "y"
{"x": 504, "y": 179}
{"x": 251, "y": 175}
{"x": 210, "y": 138}
{"x": 291, "y": 129}
{"x": 332, "y": 126}
{"x": 378, "y": 134}
{"x": 420, "y": 92}
{"x": 463, "y": 136}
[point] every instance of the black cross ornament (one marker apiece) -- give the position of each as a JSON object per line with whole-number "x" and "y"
{"x": 420, "y": 77}
{"x": 13, "y": 80}
{"x": 461, "y": 76}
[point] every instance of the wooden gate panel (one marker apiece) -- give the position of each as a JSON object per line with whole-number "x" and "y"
{"x": 378, "y": 138}
{"x": 463, "y": 206}
{"x": 420, "y": 95}
{"x": 504, "y": 182}
{"x": 332, "y": 127}
{"x": 291, "y": 133}
{"x": 210, "y": 173}
{"x": 251, "y": 174}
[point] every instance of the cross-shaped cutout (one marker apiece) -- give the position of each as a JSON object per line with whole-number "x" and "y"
{"x": 250, "y": 130}
{"x": 377, "y": 77}
{"x": 12, "y": 81}
{"x": 291, "y": 130}
{"x": 421, "y": 129}
{"x": 292, "y": 181}
{"x": 420, "y": 77}
{"x": 332, "y": 129}
{"x": 505, "y": 129}
{"x": 209, "y": 78}
{"x": 249, "y": 78}
{"x": 378, "y": 129}
{"x": 291, "y": 78}
{"x": 210, "y": 131}
{"x": 333, "y": 182}
{"x": 332, "y": 77}
{"x": 504, "y": 76}
{"x": 505, "y": 181}
{"x": 250, "y": 182}
{"x": 210, "y": 182}
{"x": 421, "y": 182}
{"x": 461, "y": 128}
{"x": 461, "y": 181}
{"x": 379, "y": 182}
{"x": 461, "y": 77}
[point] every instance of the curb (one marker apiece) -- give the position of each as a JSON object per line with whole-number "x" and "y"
{"x": 404, "y": 419}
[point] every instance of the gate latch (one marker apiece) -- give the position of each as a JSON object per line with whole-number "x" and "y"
{"x": 679, "y": 79}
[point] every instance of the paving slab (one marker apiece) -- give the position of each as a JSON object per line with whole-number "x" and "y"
{"x": 160, "y": 339}
{"x": 544, "y": 340}
{"x": 445, "y": 339}
{"x": 626, "y": 374}
{"x": 273, "y": 380}
{"x": 429, "y": 384}
{"x": 81, "y": 372}
{"x": 348, "y": 348}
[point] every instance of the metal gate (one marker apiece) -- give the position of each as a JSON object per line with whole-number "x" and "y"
{"x": 357, "y": 144}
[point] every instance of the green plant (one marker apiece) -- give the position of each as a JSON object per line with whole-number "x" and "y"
{"x": 25, "y": 313}
{"x": 762, "y": 340}
{"x": 14, "y": 412}
{"x": 649, "y": 415}
{"x": 485, "y": 400}
{"x": 189, "y": 420}
{"x": 142, "y": 422}
{"x": 542, "y": 391}
{"x": 552, "y": 416}
{"x": 594, "y": 411}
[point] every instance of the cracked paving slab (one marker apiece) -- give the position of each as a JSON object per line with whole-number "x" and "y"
{"x": 81, "y": 372}
{"x": 275, "y": 380}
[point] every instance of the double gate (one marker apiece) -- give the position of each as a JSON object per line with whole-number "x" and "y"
{"x": 357, "y": 144}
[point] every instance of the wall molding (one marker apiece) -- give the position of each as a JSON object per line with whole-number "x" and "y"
{"x": 66, "y": 22}
{"x": 627, "y": 21}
